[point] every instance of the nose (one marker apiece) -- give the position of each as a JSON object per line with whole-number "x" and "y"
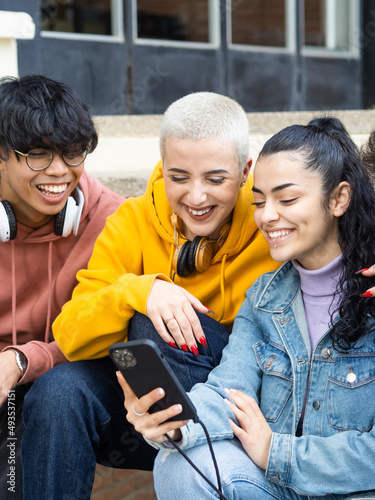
{"x": 197, "y": 195}
{"x": 269, "y": 213}
{"x": 57, "y": 167}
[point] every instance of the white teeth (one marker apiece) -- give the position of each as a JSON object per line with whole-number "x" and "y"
{"x": 199, "y": 212}
{"x": 53, "y": 189}
{"x": 278, "y": 234}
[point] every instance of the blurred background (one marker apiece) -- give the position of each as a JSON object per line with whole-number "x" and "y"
{"x": 137, "y": 56}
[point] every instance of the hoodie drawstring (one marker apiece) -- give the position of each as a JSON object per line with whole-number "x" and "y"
{"x": 49, "y": 307}
{"x": 14, "y": 297}
{"x": 172, "y": 274}
{"x": 222, "y": 287}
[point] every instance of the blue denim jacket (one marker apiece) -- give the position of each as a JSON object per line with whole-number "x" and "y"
{"x": 269, "y": 357}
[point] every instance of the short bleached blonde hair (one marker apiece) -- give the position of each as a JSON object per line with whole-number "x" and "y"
{"x": 207, "y": 115}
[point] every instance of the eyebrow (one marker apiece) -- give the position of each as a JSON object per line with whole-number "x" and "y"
{"x": 275, "y": 189}
{"x": 181, "y": 171}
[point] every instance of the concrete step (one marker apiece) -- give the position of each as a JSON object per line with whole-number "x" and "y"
{"x": 129, "y": 145}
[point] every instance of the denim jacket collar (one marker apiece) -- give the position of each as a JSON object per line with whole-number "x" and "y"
{"x": 281, "y": 290}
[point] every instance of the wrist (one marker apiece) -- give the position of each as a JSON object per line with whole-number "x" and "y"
{"x": 176, "y": 435}
{"x": 21, "y": 361}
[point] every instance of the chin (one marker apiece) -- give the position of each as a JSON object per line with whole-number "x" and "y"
{"x": 279, "y": 256}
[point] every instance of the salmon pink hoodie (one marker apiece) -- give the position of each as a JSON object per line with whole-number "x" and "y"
{"x": 38, "y": 273}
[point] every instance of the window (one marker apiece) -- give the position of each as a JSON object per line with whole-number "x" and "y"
{"x": 182, "y": 20}
{"x": 315, "y": 23}
{"x": 330, "y": 24}
{"x": 259, "y": 22}
{"x": 88, "y": 17}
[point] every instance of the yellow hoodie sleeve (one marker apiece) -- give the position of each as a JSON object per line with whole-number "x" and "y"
{"x": 108, "y": 293}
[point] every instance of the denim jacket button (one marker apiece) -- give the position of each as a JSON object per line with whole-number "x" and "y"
{"x": 316, "y": 405}
{"x": 351, "y": 376}
{"x": 326, "y": 353}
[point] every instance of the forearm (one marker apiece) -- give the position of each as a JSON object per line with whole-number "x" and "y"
{"x": 96, "y": 317}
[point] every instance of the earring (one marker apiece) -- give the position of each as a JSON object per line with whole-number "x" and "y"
{"x": 242, "y": 184}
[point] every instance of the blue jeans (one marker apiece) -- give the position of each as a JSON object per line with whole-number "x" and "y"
{"x": 241, "y": 479}
{"x": 74, "y": 417}
{"x": 11, "y": 432}
{"x": 189, "y": 369}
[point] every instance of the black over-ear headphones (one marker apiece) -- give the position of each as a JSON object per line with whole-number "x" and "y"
{"x": 66, "y": 221}
{"x": 193, "y": 256}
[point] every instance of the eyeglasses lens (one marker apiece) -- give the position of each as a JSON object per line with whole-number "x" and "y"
{"x": 38, "y": 159}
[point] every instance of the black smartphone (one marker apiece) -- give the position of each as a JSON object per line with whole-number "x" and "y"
{"x": 144, "y": 368}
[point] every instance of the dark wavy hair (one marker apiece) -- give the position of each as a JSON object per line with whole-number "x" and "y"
{"x": 38, "y": 112}
{"x": 368, "y": 156}
{"x": 325, "y": 147}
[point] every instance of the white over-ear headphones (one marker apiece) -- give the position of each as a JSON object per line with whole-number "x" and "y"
{"x": 66, "y": 221}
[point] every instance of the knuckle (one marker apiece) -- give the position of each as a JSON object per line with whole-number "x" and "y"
{"x": 195, "y": 323}
{"x": 184, "y": 324}
{"x": 129, "y": 418}
{"x": 137, "y": 428}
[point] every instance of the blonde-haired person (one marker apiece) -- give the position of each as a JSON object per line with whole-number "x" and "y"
{"x": 198, "y": 201}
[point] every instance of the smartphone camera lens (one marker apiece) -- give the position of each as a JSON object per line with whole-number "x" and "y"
{"x": 124, "y": 358}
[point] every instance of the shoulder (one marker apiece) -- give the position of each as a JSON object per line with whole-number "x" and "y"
{"x": 275, "y": 286}
{"x": 97, "y": 196}
{"x": 130, "y": 217}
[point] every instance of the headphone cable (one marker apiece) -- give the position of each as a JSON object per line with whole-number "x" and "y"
{"x": 218, "y": 489}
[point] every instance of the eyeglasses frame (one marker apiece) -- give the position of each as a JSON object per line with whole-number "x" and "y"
{"x": 51, "y": 160}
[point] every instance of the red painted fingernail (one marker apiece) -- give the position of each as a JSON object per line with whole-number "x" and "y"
{"x": 366, "y": 294}
{"x": 172, "y": 344}
{"x": 184, "y": 347}
{"x": 194, "y": 350}
{"x": 209, "y": 310}
{"x": 361, "y": 270}
{"x": 202, "y": 340}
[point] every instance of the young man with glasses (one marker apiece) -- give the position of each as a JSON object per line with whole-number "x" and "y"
{"x": 51, "y": 212}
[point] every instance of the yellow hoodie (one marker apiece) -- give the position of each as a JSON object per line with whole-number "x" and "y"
{"x": 137, "y": 246}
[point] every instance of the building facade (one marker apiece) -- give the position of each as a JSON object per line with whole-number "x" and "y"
{"x": 138, "y": 56}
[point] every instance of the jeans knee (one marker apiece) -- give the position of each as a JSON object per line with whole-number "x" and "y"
{"x": 141, "y": 327}
{"x": 54, "y": 393}
{"x": 171, "y": 474}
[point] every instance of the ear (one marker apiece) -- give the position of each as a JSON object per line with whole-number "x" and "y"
{"x": 341, "y": 199}
{"x": 246, "y": 170}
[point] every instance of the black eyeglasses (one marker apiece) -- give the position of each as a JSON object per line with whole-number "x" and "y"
{"x": 40, "y": 159}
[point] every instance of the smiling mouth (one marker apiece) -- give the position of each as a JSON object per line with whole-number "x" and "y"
{"x": 275, "y": 235}
{"x": 199, "y": 213}
{"x": 52, "y": 190}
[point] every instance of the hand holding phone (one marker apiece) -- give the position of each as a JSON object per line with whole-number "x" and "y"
{"x": 144, "y": 368}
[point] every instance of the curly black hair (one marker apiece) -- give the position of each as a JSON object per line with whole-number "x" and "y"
{"x": 368, "y": 156}
{"x": 326, "y": 148}
{"x": 39, "y": 112}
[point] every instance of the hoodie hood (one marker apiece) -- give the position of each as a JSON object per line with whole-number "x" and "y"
{"x": 242, "y": 229}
